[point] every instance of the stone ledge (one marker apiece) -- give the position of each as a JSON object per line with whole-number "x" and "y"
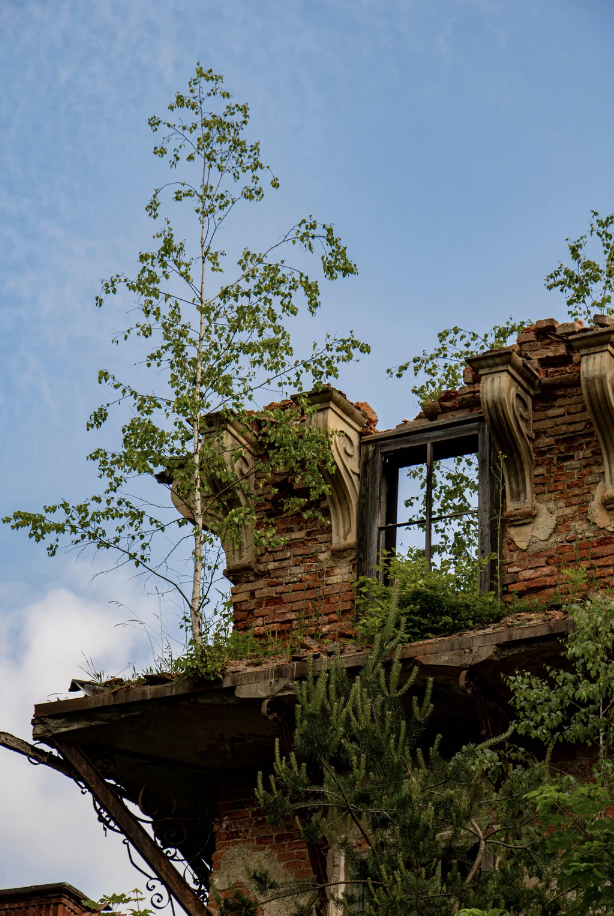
{"x": 446, "y": 651}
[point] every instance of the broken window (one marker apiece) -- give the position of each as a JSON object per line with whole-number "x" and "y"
{"x": 409, "y": 505}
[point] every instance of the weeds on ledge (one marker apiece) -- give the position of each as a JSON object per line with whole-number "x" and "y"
{"x": 432, "y": 603}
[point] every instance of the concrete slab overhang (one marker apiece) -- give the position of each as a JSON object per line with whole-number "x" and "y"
{"x": 218, "y": 725}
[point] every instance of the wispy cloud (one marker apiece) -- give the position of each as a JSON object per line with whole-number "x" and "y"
{"x": 54, "y": 835}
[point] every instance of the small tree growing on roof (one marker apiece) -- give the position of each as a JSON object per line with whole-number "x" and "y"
{"x": 215, "y": 347}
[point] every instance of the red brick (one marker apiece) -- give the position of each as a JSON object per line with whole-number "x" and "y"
{"x": 538, "y": 573}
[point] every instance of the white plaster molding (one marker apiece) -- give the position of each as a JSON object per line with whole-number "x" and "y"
{"x": 540, "y": 527}
{"x": 597, "y": 512}
{"x": 232, "y": 871}
{"x": 238, "y": 454}
{"x": 596, "y": 350}
{"x": 507, "y": 386}
{"x": 339, "y": 415}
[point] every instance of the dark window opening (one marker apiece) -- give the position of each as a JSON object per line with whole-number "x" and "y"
{"x": 410, "y": 506}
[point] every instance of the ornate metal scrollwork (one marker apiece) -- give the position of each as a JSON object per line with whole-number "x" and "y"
{"x": 172, "y": 834}
{"x": 178, "y": 835}
{"x": 103, "y": 818}
{"x": 159, "y": 899}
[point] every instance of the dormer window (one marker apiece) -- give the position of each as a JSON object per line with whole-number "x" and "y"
{"x": 384, "y": 515}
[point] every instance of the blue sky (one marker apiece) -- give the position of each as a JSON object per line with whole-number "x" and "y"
{"x": 454, "y": 143}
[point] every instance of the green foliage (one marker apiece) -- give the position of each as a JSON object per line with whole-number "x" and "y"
{"x": 215, "y": 349}
{"x": 429, "y": 603}
{"x": 575, "y": 701}
{"x": 454, "y": 547}
{"x": 586, "y": 283}
{"x": 416, "y": 830}
{"x": 487, "y": 832}
{"x": 114, "y": 901}
{"x": 223, "y": 644}
{"x": 455, "y": 541}
{"x": 473, "y": 911}
{"x": 442, "y": 369}
{"x": 579, "y": 817}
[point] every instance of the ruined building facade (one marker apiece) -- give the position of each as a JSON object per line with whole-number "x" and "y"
{"x": 539, "y": 415}
{"x": 546, "y": 404}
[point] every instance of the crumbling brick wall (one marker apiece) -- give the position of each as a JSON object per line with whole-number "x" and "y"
{"x": 307, "y": 585}
{"x": 568, "y": 467}
{"x": 303, "y": 585}
{"x": 243, "y": 836}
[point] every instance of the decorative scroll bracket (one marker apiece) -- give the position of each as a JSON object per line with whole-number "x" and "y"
{"x": 238, "y": 453}
{"x": 337, "y": 414}
{"x": 507, "y": 386}
{"x": 596, "y": 349}
{"x": 134, "y": 832}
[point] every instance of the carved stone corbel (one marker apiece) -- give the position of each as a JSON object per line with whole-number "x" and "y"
{"x": 507, "y": 386}
{"x": 238, "y": 453}
{"x": 596, "y": 349}
{"x": 336, "y": 413}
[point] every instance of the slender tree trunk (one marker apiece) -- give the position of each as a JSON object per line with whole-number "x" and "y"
{"x": 198, "y": 503}
{"x": 196, "y": 453}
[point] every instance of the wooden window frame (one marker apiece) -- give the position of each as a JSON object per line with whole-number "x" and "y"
{"x": 384, "y": 454}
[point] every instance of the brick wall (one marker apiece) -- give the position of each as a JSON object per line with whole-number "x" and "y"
{"x": 568, "y": 467}
{"x": 42, "y": 900}
{"x": 305, "y": 585}
{"x": 243, "y": 835}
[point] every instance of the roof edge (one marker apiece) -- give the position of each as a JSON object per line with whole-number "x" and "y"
{"x": 58, "y": 888}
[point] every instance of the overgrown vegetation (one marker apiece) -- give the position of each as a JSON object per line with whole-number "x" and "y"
{"x": 430, "y": 602}
{"x": 587, "y": 282}
{"x": 121, "y": 904}
{"x": 438, "y": 602}
{"x": 489, "y": 830}
{"x": 416, "y": 830}
{"x": 574, "y": 704}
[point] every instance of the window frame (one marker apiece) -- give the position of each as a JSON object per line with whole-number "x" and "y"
{"x": 385, "y": 454}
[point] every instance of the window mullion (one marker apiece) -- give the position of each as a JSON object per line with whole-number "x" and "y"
{"x": 428, "y": 515}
